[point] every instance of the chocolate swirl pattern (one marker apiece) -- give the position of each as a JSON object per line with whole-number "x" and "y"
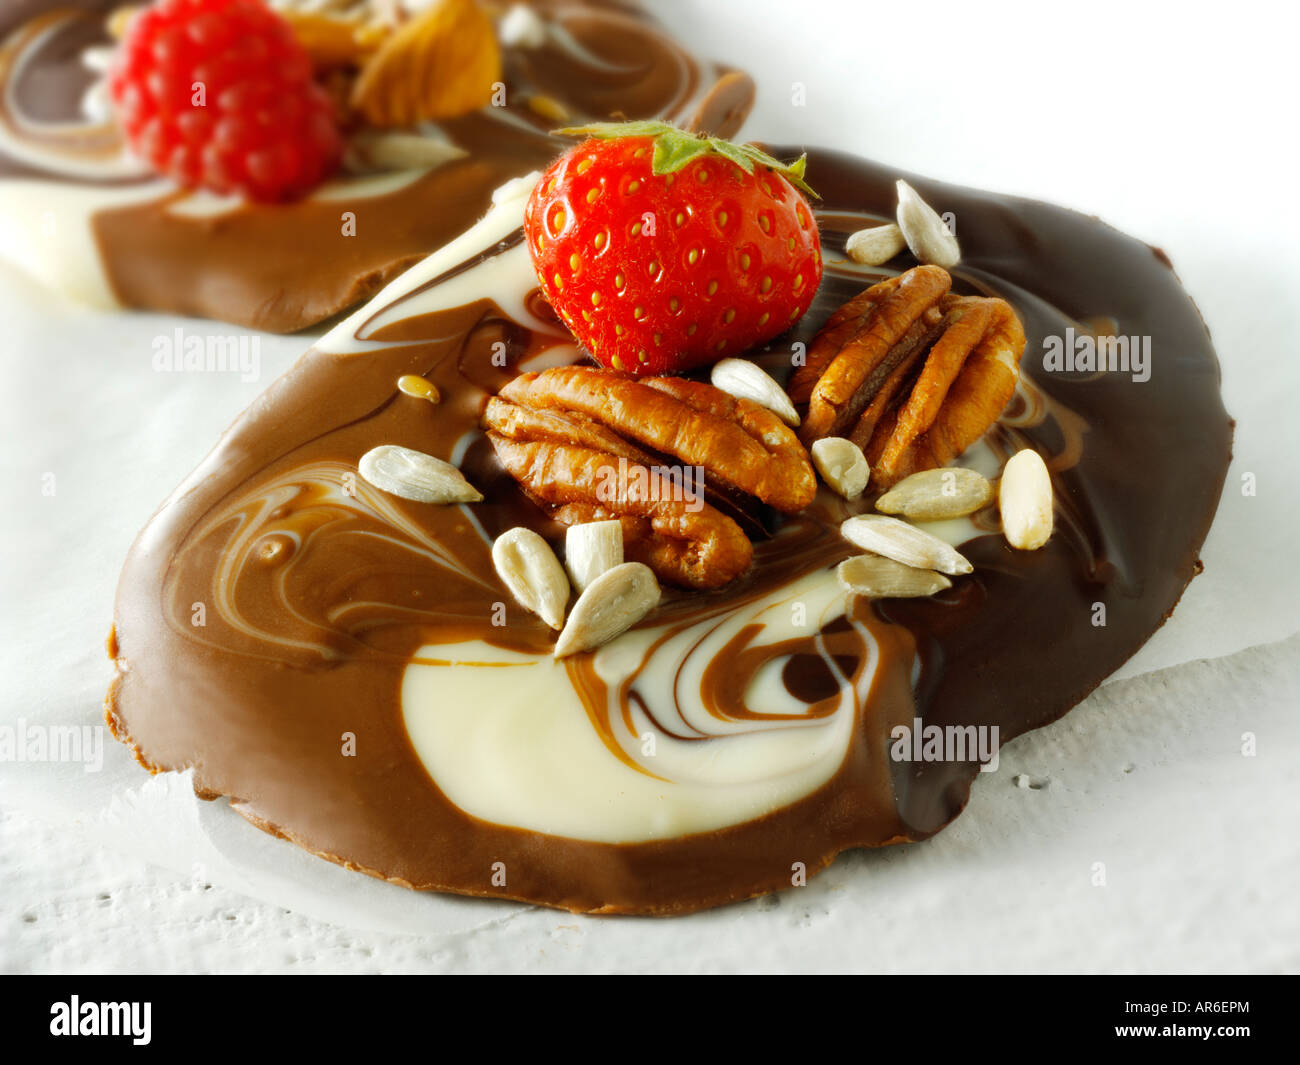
{"x": 272, "y": 538}
{"x": 770, "y": 703}
{"x": 124, "y": 238}
{"x": 718, "y": 715}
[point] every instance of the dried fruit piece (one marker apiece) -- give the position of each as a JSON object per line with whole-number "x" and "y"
{"x": 933, "y": 495}
{"x": 591, "y": 548}
{"x": 334, "y": 40}
{"x": 744, "y": 380}
{"x": 533, "y": 574}
{"x": 877, "y": 577}
{"x": 610, "y": 605}
{"x": 443, "y": 63}
{"x": 879, "y": 244}
{"x": 415, "y": 475}
{"x": 903, "y": 543}
{"x": 926, "y": 234}
{"x": 842, "y": 465}
{"x": 1025, "y": 499}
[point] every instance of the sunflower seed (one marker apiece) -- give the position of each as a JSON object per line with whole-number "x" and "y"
{"x": 1025, "y": 498}
{"x": 930, "y": 240}
{"x": 533, "y": 574}
{"x": 592, "y": 548}
{"x": 522, "y": 27}
{"x": 415, "y": 475}
{"x": 611, "y": 604}
{"x": 933, "y": 495}
{"x": 744, "y": 380}
{"x": 419, "y": 388}
{"x": 842, "y": 465}
{"x": 903, "y": 543}
{"x": 879, "y": 244}
{"x": 882, "y": 578}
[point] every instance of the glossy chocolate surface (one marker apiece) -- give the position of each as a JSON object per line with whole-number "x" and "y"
{"x": 304, "y": 643}
{"x": 286, "y": 267}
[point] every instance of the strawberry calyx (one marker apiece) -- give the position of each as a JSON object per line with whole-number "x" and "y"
{"x": 674, "y": 148}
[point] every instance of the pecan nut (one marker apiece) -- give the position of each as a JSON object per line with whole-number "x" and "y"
{"x": 910, "y": 372}
{"x": 594, "y": 445}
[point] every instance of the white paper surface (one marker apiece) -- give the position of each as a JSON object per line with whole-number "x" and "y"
{"x": 1148, "y": 149}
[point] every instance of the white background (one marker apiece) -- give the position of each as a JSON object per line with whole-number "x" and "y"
{"x": 1173, "y": 122}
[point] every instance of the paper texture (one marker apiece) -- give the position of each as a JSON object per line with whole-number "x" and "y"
{"x": 95, "y": 439}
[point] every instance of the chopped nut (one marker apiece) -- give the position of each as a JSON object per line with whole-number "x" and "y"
{"x": 933, "y": 495}
{"x": 591, "y": 548}
{"x": 533, "y": 574}
{"x": 415, "y": 475}
{"x": 590, "y": 444}
{"x": 910, "y": 372}
{"x": 1025, "y": 498}
{"x": 903, "y": 543}
{"x": 879, "y": 244}
{"x": 930, "y": 240}
{"x": 744, "y": 380}
{"x": 842, "y": 465}
{"x": 443, "y": 63}
{"x": 877, "y": 577}
{"x": 610, "y": 605}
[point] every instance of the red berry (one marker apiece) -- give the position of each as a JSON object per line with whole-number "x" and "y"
{"x": 657, "y": 269}
{"x": 219, "y": 94}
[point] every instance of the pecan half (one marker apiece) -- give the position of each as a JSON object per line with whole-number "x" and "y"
{"x": 737, "y": 441}
{"x": 910, "y": 372}
{"x": 562, "y": 433}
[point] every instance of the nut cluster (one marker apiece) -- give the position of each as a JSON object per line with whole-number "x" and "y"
{"x": 590, "y": 445}
{"x": 910, "y": 373}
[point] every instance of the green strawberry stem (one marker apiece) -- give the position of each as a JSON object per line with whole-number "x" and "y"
{"x": 674, "y": 148}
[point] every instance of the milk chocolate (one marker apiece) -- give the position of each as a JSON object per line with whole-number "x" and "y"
{"x": 283, "y": 268}
{"x": 315, "y": 606}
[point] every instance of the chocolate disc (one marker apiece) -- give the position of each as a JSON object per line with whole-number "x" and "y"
{"x": 346, "y": 665}
{"x": 127, "y": 238}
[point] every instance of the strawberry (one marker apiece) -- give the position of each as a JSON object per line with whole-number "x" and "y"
{"x": 662, "y": 250}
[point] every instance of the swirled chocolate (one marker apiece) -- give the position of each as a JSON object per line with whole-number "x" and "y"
{"x": 90, "y": 220}
{"x": 347, "y": 667}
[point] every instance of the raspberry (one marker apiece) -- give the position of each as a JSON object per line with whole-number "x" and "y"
{"x": 219, "y": 94}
